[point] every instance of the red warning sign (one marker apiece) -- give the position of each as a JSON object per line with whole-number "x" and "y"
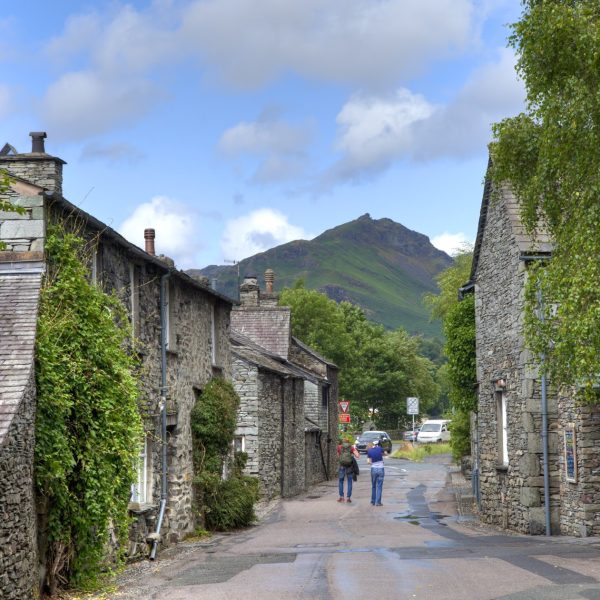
{"x": 344, "y": 405}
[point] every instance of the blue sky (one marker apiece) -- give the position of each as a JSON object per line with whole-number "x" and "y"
{"x": 231, "y": 126}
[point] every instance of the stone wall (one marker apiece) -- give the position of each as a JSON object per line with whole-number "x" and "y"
{"x": 271, "y": 442}
{"x": 18, "y": 548}
{"x": 189, "y": 367}
{"x": 580, "y": 499}
{"x": 293, "y": 438}
{"x": 245, "y": 382}
{"x": 512, "y": 496}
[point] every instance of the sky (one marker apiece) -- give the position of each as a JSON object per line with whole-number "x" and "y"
{"x": 232, "y": 126}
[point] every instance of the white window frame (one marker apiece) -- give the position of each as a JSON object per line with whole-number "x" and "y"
{"x": 134, "y": 290}
{"x": 502, "y": 428}
{"x": 239, "y": 443}
{"x": 213, "y": 335}
{"x": 140, "y": 491}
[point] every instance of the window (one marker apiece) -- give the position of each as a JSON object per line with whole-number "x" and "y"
{"x": 169, "y": 317}
{"x": 325, "y": 398}
{"x": 96, "y": 264}
{"x": 213, "y": 334}
{"x": 502, "y": 431}
{"x": 141, "y": 490}
{"x": 134, "y": 292}
{"x": 239, "y": 443}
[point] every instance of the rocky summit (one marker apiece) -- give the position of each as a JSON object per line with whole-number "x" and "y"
{"x": 377, "y": 264}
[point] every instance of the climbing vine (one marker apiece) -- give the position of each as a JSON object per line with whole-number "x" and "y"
{"x": 550, "y": 155}
{"x": 88, "y": 427}
{"x": 221, "y": 503}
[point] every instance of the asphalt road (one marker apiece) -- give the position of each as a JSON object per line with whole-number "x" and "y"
{"x": 415, "y": 546}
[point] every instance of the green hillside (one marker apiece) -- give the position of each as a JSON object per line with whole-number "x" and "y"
{"x": 378, "y": 264}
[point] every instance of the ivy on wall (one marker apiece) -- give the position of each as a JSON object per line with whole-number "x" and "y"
{"x": 88, "y": 427}
{"x": 221, "y": 503}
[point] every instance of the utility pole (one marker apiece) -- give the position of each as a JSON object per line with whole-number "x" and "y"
{"x": 236, "y": 263}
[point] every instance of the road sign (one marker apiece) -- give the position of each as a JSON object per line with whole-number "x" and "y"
{"x": 344, "y": 405}
{"x": 344, "y": 418}
{"x": 412, "y": 406}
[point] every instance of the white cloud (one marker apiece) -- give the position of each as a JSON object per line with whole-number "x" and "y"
{"x": 279, "y": 146}
{"x": 112, "y": 153}
{"x": 451, "y": 243}
{"x": 361, "y": 42}
{"x": 176, "y": 225}
{"x": 374, "y": 131}
{"x": 84, "y": 103}
{"x": 256, "y": 232}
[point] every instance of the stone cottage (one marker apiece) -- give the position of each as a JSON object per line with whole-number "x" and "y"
{"x": 195, "y": 321}
{"x": 287, "y": 423}
{"x": 520, "y": 418}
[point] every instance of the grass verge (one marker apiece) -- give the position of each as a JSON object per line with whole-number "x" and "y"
{"x": 420, "y": 451}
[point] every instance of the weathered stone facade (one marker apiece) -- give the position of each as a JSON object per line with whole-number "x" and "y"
{"x": 288, "y": 412}
{"x": 18, "y": 547}
{"x": 197, "y": 333}
{"x": 510, "y": 398}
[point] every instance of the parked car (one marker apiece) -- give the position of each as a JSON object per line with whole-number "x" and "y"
{"x": 434, "y": 431}
{"x": 410, "y": 435}
{"x": 367, "y": 437}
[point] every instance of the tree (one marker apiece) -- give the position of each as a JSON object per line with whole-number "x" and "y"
{"x": 550, "y": 156}
{"x": 379, "y": 369}
{"x": 458, "y": 320}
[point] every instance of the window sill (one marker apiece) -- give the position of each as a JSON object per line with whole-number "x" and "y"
{"x": 141, "y": 507}
{"x": 501, "y": 468}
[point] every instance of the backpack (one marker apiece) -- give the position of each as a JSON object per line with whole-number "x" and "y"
{"x": 346, "y": 455}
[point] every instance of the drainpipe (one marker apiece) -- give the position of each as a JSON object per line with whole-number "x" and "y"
{"x": 163, "y": 413}
{"x": 545, "y": 427}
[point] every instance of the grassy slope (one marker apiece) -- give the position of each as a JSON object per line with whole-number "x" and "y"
{"x": 360, "y": 260}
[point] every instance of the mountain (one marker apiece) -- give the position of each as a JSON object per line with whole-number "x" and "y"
{"x": 378, "y": 264}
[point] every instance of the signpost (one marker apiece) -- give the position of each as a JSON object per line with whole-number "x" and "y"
{"x": 344, "y": 415}
{"x": 412, "y": 408}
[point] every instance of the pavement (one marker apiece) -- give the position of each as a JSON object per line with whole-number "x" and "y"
{"x": 424, "y": 543}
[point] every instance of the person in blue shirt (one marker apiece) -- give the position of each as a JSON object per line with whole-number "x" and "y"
{"x": 375, "y": 457}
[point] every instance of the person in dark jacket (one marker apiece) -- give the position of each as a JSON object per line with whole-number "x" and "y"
{"x": 346, "y": 451}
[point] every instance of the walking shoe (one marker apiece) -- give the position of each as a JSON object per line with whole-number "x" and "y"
{"x": 348, "y": 500}
{"x": 340, "y": 499}
{"x": 379, "y": 504}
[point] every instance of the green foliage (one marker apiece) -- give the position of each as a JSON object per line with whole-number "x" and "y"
{"x": 550, "y": 156}
{"x": 418, "y": 452}
{"x": 459, "y": 373}
{"x": 221, "y": 503}
{"x": 379, "y": 369}
{"x": 88, "y": 428}
{"x": 460, "y": 428}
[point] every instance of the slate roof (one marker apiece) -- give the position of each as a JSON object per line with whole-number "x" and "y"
{"x": 314, "y": 353}
{"x": 19, "y": 297}
{"x": 246, "y": 349}
{"x": 539, "y": 243}
{"x": 269, "y": 327}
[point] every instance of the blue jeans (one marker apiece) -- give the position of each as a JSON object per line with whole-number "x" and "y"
{"x": 345, "y": 473}
{"x": 377, "y": 476}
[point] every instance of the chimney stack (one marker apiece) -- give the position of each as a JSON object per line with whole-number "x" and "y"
{"x": 37, "y": 142}
{"x": 249, "y": 291}
{"x": 149, "y": 235}
{"x": 269, "y": 280}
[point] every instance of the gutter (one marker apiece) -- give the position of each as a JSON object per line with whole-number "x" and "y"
{"x": 163, "y": 414}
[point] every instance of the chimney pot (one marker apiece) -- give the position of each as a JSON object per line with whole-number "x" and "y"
{"x": 149, "y": 235}
{"x": 37, "y": 141}
{"x": 269, "y": 280}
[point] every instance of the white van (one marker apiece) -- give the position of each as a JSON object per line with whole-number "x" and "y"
{"x": 434, "y": 431}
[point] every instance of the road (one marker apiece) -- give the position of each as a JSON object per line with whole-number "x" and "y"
{"x": 413, "y": 547}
